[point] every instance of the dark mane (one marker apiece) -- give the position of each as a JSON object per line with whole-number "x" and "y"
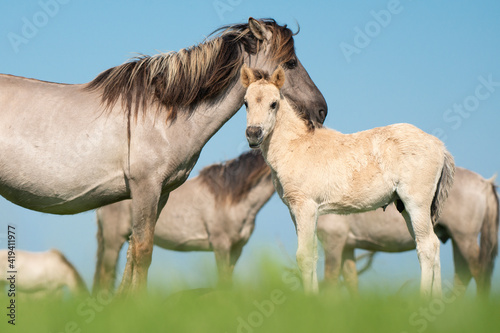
{"x": 232, "y": 181}
{"x": 179, "y": 80}
{"x": 260, "y": 74}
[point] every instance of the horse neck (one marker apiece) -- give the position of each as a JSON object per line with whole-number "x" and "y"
{"x": 258, "y": 195}
{"x": 75, "y": 282}
{"x": 243, "y": 212}
{"x": 70, "y": 275}
{"x": 209, "y": 117}
{"x": 288, "y": 130}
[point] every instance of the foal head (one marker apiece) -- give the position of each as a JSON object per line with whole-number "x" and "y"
{"x": 262, "y": 101}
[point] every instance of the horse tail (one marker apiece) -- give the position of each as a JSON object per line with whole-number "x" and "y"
{"x": 488, "y": 248}
{"x": 443, "y": 186}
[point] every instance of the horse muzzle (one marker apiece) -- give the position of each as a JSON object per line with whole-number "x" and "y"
{"x": 255, "y": 136}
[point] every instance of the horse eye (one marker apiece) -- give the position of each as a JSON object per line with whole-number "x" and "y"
{"x": 273, "y": 105}
{"x": 291, "y": 64}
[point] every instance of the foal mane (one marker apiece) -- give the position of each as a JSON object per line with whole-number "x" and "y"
{"x": 176, "y": 81}
{"x": 233, "y": 180}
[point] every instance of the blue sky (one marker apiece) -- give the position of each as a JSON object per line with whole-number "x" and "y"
{"x": 434, "y": 65}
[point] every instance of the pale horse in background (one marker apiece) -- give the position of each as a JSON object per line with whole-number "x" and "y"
{"x": 214, "y": 211}
{"x": 41, "y": 274}
{"x": 470, "y": 213}
{"x": 136, "y": 130}
{"x": 320, "y": 171}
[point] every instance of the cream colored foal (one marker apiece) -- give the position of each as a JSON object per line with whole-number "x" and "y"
{"x": 318, "y": 171}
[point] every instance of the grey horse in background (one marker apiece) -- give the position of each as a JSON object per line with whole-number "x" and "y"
{"x": 41, "y": 274}
{"x": 214, "y": 211}
{"x": 136, "y": 130}
{"x": 471, "y": 211}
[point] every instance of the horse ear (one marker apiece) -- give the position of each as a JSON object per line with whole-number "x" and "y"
{"x": 258, "y": 29}
{"x": 278, "y": 77}
{"x": 247, "y": 76}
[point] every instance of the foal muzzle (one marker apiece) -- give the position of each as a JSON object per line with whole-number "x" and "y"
{"x": 254, "y": 136}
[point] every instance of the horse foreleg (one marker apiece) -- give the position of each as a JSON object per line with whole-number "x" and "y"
{"x": 235, "y": 254}
{"x": 333, "y": 244}
{"x": 349, "y": 271}
{"x": 113, "y": 229}
{"x": 223, "y": 258}
{"x": 463, "y": 272}
{"x": 305, "y": 218}
{"x": 420, "y": 226}
{"x": 145, "y": 210}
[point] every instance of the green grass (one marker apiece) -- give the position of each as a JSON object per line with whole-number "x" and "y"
{"x": 274, "y": 302}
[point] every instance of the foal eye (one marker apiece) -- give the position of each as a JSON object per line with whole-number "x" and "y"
{"x": 273, "y": 105}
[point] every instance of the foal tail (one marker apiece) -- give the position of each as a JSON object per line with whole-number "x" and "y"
{"x": 443, "y": 186}
{"x": 488, "y": 248}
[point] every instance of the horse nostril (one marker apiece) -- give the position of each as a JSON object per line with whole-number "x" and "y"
{"x": 254, "y": 132}
{"x": 322, "y": 115}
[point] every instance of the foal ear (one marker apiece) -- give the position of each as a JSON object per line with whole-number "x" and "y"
{"x": 258, "y": 29}
{"x": 278, "y": 77}
{"x": 247, "y": 76}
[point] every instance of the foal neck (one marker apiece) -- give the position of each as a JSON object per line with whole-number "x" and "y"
{"x": 289, "y": 129}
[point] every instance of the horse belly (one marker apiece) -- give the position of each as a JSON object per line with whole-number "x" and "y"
{"x": 53, "y": 177}
{"x": 58, "y": 154}
{"x": 177, "y": 230}
{"x": 386, "y": 232}
{"x": 183, "y": 245}
{"x": 63, "y": 195}
{"x": 359, "y": 200}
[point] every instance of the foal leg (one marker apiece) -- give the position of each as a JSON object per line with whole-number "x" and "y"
{"x": 315, "y": 262}
{"x": 420, "y": 226}
{"x": 305, "y": 217}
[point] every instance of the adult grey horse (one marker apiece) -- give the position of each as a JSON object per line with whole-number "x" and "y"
{"x": 471, "y": 212}
{"x": 137, "y": 129}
